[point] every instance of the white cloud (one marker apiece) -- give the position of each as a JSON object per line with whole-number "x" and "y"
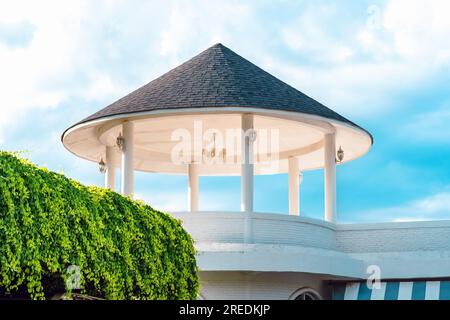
{"x": 434, "y": 207}
{"x": 310, "y": 35}
{"x": 100, "y": 50}
{"x": 362, "y": 89}
{"x": 413, "y": 31}
{"x": 63, "y": 57}
{"x": 420, "y": 28}
{"x": 292, "y": 39}
{"x": 28, "y": 71}
{"x": 429, "y": 127}
{"x": 366, "y": 62}
{"x": 200, "y": 24}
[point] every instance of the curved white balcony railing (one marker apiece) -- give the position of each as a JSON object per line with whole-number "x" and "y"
{"x": 257, "y": 228}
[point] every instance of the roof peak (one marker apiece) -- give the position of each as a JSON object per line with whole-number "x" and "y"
{"x": 219, "y": 47}
{"x": 218, "y": 44}
{"x": 214, "y": 48}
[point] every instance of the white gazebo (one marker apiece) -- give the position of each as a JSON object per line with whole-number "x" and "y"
{"x": 185, "y": 122}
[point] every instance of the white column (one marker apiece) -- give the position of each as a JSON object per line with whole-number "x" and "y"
{"x": 330, "y": 178}
{"x": 128, "y": 159}
{"x": 294, "y": 186}
{"x": 193, "y": 187}
{"x": 110, "y": 176}
{"x": 247, "y": 165}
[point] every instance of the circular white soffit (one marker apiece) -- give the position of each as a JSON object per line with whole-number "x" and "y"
{"x": 300, "y": 135}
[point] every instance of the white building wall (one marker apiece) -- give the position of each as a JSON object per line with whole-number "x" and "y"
{"x": 394, "y": 237}
{"x": 259, "y": 285}
{"x": 287, "y": 253}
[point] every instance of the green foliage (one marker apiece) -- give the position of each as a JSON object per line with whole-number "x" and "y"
{"x": 124, "y": 248}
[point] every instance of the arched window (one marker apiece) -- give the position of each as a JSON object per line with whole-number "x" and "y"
{"x": 305, "y": 294}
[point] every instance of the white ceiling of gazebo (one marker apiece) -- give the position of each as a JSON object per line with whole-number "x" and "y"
{"x": 299, "y": 135}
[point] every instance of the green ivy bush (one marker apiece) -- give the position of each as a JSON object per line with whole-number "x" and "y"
{"x": 123, "y": 248}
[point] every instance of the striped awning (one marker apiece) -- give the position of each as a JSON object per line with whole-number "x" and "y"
{"x": 393, "y": 290}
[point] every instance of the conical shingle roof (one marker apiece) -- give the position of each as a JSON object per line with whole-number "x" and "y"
{"x": 217, "y": 77}
{"x": 215, "y": 88}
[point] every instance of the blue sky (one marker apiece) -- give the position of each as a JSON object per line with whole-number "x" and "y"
{"x": 383, "y": 64}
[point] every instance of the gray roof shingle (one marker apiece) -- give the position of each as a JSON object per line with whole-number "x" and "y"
{"x": 217, "y": 77}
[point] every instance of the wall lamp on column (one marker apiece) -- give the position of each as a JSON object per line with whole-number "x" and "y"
{"x": 212, "y": 153}
{"x": 102, "y": 166}
{"x": 120, "y": 142}
{"x": 340, "y": 155}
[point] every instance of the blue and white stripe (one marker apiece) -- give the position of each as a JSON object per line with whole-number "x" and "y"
{"x": 393, "y": 290}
